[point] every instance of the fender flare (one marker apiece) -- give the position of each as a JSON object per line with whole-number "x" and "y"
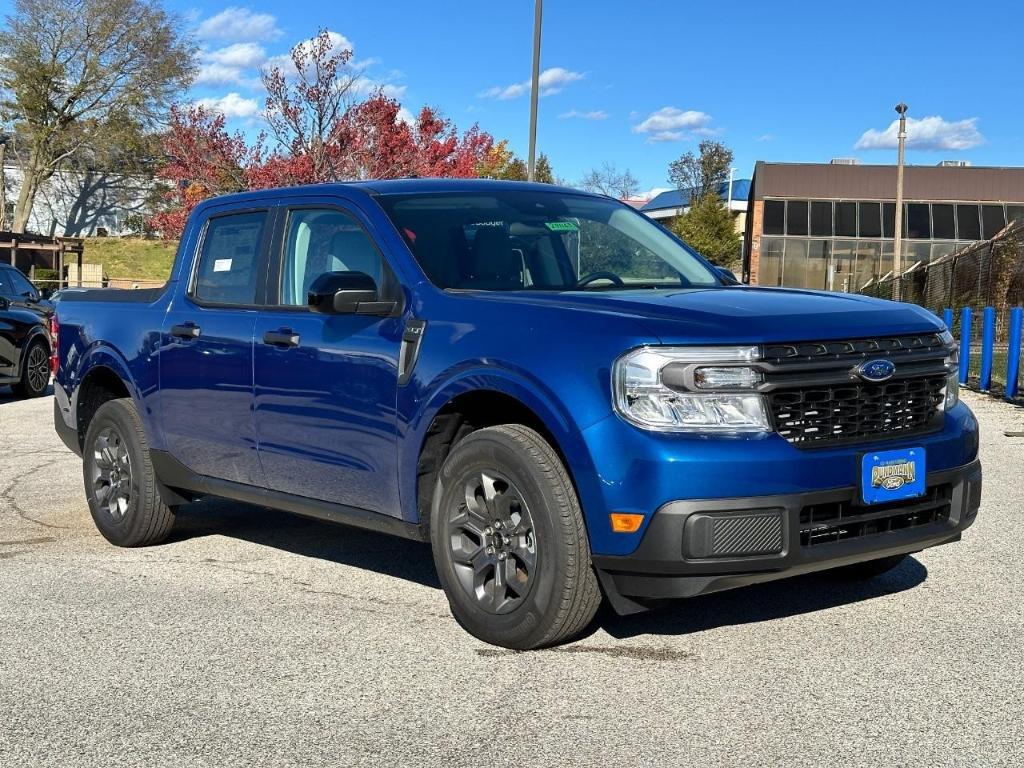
{"x": 103, "y": 356}
{"x": 519, "y": 385}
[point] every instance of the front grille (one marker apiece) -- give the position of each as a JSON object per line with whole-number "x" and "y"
{"x": 816, "y": 398}
{"x": 843, "y": 520}
{"x": 856, "y": 411}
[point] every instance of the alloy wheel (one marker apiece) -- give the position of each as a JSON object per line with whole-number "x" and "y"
{"x": 112, "y": 473}
{"x": 492, "y": 542}
{"x": 38, "y": 369}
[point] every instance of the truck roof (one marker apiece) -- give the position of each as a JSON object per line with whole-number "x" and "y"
{"x": 399, "y": 187}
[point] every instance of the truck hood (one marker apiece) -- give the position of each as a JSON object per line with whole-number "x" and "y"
{"x": 741, "y": 314}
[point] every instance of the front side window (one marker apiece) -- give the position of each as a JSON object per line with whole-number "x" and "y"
{"x": 21, "y": 287}
{"x": 229, "y": 261}
{"x": 524, "y": 240}
{"x": 324, "y": 240}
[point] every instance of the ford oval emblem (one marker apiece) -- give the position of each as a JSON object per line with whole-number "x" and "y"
{"x": 876, "y": 370}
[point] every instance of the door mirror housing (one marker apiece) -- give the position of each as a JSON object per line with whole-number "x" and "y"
{"x": 5, "y": 303}
{"x": 347, "y": 293}
{"x": 728, "y": 276}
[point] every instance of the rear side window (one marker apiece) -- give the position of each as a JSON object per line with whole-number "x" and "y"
{"x": 229, "y": 260}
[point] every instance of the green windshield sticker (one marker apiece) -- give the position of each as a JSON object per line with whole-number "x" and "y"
{"x": 562, "y": 226}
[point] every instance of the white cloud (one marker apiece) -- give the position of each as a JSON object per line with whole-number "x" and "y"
{"x": 652, "y": 193}
{"x": 239, "y": 24}
{"x": 597, "y": 114}
{"x": 551, "y": 81}
{"x": 231, "y": 106}
{"x": 284, "y": 61}
{"x": 672, "y": 124}
{"x": 765, "y": 137}
{"x": 219, "y": 74}
{"x": 931, "y": 134}
{"x": 364, "y": 86}
{"x": 407, "y": 117}
{"x": 238, "y": 55}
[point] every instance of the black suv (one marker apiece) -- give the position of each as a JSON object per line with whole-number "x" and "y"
{"x": 24, "y": 335}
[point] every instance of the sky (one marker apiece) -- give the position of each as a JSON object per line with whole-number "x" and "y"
{"x": 639, "y": 83}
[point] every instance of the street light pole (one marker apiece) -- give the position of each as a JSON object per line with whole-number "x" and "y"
{"x": 897, "y": 245}
{"x": 531, "y": 166}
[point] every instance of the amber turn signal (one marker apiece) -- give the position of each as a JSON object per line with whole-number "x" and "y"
{"x": 623, "y": 522}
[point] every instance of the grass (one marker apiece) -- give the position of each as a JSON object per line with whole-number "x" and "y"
{"x": 131, "y": 257}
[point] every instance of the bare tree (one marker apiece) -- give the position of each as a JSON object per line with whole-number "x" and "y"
{"x": 307, "y": 101}
{"x": 607, "y": 180}
{"x": 83, "y": 76}
{"x": 701, "y": 173}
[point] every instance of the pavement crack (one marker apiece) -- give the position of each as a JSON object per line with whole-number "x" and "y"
{"x": 7, "y": 495}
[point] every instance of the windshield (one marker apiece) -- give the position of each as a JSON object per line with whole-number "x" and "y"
{"x": 526, "y": 240}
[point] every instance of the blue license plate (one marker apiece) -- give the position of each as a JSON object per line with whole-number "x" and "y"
{"x": 892, "y": 475}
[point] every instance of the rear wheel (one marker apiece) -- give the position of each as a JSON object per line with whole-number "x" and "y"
{"x": 509, "y": 541}
{"x": 35, "y": 377}
{"x": 120, "y": 484}
{"x": 866, "y": 570}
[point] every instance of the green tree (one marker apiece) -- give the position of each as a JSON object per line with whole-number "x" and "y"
{"x": 708, "y": 226}
{"x": 86, "y": 79}
{"x": 502, "y": 163}
{"x": 701, "y": 173}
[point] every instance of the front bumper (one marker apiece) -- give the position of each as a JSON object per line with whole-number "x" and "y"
{"x": 772, "y": 537}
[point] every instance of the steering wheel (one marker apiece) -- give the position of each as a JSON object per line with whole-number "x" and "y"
{"x": 588, "y": 279}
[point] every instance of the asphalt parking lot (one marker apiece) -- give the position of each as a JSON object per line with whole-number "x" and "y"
{"x": 257, "y": 638}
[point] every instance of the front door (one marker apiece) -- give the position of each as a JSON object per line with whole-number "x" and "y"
{"x": 326, "y": 385}
{"x": 206, "y": 351}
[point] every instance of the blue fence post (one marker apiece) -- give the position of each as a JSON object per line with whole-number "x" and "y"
{"x": 988, "y": 341}
{"x": 947, "y": 318}
{"x": 965, "y": 343}
{"x": 1013, "y": 353}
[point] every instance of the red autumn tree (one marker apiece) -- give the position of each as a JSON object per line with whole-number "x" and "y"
{"x": 317, "y": 132}
{"x": 201, "y": 160}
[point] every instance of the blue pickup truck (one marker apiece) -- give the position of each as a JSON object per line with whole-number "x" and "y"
{"x": 561, "y": 397}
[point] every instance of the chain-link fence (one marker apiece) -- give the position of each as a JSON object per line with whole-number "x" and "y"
{"x": 989, "y": 273}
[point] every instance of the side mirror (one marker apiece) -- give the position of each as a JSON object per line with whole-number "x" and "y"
{"x": 346, "y": 293}
{"x": 727, "y": 275}
{"x": 5, "y": 303}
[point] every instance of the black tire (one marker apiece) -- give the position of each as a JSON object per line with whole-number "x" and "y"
{"x": 869, "y": 569}
{"x": 120, "y": 484}
{"x": 35, "y": 374}
{"x": 548, "y": 591}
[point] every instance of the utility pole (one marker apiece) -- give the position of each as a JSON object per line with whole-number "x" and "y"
{"x": 531, "y": 166}
{"x": 897, "y": 245}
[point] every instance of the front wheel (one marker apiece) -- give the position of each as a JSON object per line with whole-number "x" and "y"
{"x": 509, "y": 541}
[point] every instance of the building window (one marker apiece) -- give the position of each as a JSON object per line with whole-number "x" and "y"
{"x": 796, "y": 217}
{"x": 821, "y": 219}
{"x": 1015, "y": 214}
{"x": 870, "y": 220}
{"x": 918, "y": 225}
{"x": 774, "y": 217}
{"x": 769, "y": 270}
{"x": 968, "y": 226}
{"x": 992, "y": 219}
{"x": 943, "y": 222}
{"x": 846, "y": 219}
{"x": 888, "y": 219}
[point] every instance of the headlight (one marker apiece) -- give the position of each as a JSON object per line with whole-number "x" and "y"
{"x": 690, "y": 389}
{"x": 952, "y": 389}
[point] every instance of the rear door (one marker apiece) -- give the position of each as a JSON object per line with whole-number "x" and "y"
{"x": 326, "y": 385}
{"x": 206, "y": 388}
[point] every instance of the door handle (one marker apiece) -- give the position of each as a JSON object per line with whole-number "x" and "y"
{"x": 281, "y": 338}
{"x": 186, "y": 331}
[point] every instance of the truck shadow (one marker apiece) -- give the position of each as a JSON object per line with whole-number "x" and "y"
{"x": 7, "y": 396}
{"x": 412, "y": 561}
{"x": 387, "y": 555}
{"x": 759, "y": 602}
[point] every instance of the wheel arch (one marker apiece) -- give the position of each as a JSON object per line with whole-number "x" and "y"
{"x": 104, "y": 377}
{"x": 486, "y": 399}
